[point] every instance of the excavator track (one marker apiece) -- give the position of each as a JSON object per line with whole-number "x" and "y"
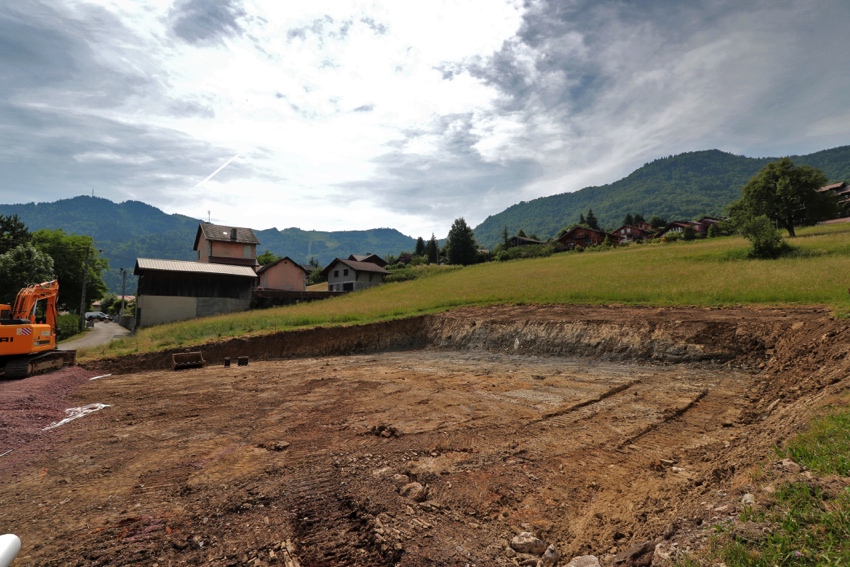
{"x": 37, "y": 364}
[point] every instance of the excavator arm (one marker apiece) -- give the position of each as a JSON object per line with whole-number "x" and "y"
{"x": 28, "y": 298}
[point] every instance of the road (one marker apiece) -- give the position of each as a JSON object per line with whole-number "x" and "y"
{"x": 101, "y": 334}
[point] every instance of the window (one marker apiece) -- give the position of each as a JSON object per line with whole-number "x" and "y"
{"x": 345, "y": 272}
{"x": 209, "y": 249}
{"x": 246, "y": 251}
{"x": 336, "y": 273}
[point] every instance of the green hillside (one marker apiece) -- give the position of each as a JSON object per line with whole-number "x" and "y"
{"x": 683, "y": 187}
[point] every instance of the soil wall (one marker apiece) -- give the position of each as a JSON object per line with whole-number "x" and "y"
{"x": 743, "y": 337}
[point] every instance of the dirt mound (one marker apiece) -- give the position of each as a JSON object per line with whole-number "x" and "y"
{"x": 429, "y": 441}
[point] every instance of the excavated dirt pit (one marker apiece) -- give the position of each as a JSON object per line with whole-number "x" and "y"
{"x": 314, "y": 461}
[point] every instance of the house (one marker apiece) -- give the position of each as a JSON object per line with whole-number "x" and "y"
{"x": 216, "y": 244}
{"x": 285, "y": 274}
{"x": 643, "y": 225}
{"x": 630, "y": 233}
{"x": 678, "y": 227}
{"x": 173, "y": 290}
{"x": 700, "y": 227}
{"x": 841, "y": 192}
{"x": 374, "y": 258}
{"x": 352, "y": 275}
{"x": 584, "y": 237}
{"x": 524, "y": 241}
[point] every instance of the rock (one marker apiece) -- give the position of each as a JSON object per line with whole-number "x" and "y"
{"x": 525, "y": 542}
{"x": 584, "y": 561}
{"x": 748, "y": 499}
{"x": 399, "y": 480}
{"x": 791, "y": 466}
{"x": 414, "y": 491}
{"x": 664, "y": 554}
{"x": 638, "y": 555}
{"x": 551, "y": 556}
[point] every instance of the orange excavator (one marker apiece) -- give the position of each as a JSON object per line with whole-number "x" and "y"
{"x": 28, "y": 333}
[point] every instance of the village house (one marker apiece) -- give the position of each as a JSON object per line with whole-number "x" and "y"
{"x": 353, "y": 275}
{"x": 700, "y": 227}
{"x": 677, "y": 227}
{"x": 841, "y": 192}
{"x": 524, "y": 241}
{"x": 630, "y": 233}
{"x": 285, "y": 274}
{"x": 584, "y": 237}
{"x": 216, "y": 244}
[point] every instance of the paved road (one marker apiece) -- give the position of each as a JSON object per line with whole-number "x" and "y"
{"x": 101, "y": 334}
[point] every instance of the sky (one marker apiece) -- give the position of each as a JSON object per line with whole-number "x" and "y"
{"x": 351, "y": 115}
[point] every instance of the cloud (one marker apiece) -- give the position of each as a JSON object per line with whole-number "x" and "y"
{"x": 351, "y": 115}
{"x": 207, "y": 21}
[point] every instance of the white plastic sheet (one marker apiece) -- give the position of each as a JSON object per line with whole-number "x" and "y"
{"x": 75, "y": 413}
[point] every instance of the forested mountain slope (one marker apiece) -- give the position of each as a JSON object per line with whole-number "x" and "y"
{"x": 684, "y": 187}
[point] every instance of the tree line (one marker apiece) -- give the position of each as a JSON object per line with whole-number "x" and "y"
{"x": 34, "y": 257}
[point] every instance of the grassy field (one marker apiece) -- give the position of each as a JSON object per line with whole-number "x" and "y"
{"x": 713, "y": 272}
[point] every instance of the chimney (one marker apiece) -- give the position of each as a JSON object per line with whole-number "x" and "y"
{"x": 233, "y": 234}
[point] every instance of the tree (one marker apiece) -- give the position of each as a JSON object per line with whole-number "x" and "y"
{"x": 689, "y": 233}
{"x": 785, "y": 194}
{"x": 20, "y": 267}
{"x": 13, "y": 233}
{"x": 267, "y": 258}
{"x": 432, "y": 250}
{"x": 639, "y": 218}
{"x": 657, "y": 222}
{"x": 591, "y": 220}
{"x": 521, "y": 233}
{"x": 69, "y": 253}
{"x": 420, "y": 247}
{"x": 629, "y": 220}
{"x": 581, "y": 219}
{"x": 460, "y": 244}
{"x": 506, "y": 243}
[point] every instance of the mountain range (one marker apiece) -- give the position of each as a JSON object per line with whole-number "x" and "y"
{"x": 680, "y": 187}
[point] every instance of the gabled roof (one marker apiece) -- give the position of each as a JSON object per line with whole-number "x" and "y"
{"x": 357, "y": 266}
{"x": 151, "y": 264}
{"x": 833, "y": 186}
{"x": 584, "y": 228}
{"x": 225, "y": 234}
{"x": 262, "y": 269}
{"x": 374, "y": 258}
{"x": 636, "y": 228}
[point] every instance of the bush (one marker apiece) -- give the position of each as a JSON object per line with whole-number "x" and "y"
{"x": 766, "y": 240}
{"x": 689, "y": 233}
{"x": 67, "y": 326}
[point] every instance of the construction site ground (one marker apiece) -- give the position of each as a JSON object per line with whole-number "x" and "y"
{"x": 597, "y": 429}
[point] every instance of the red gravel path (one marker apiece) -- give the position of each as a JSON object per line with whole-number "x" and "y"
{"x": 29, "y": 405}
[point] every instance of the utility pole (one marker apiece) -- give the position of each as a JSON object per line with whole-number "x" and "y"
{"x": 83, "y": 296}
{"x": 123, "y": 285}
